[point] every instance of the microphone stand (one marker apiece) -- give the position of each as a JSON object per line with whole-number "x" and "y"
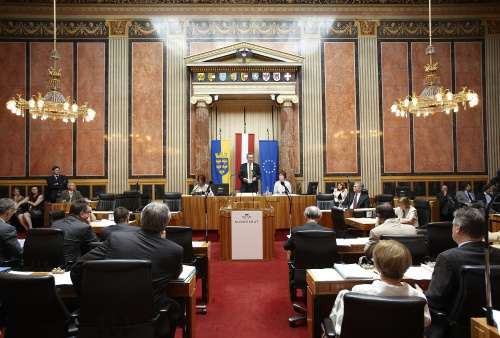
{"x": 290, "y": 202}
{"x": 206, "y": 212}
{"x": 489, "y": 311}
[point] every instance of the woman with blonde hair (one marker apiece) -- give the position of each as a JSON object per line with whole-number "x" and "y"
{"x": 405, "y": 212}
{"x": 391, "y": 259}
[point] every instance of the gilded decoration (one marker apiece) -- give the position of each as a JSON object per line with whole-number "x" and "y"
{"x": 118, "y": 28}
{"x": 367, "y": 28}
{"x": 252, "y": 2}
{"x": 339, "y": 29}
{"x": 440, "y": 29}
{"x": 149, "y": 29}
{"x": 241, "y": 28}
{"x": 492, "y": 27}
{"x": 45, "y": 29}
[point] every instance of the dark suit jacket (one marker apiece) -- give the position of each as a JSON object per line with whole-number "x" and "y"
{"x": 165, "y": 255}
{"x": 290, "y": 243}
{"x": 77, "y": 236}
{"x": 444, "y": 285}
{"x": 9, "y": 245}
{"x": 107, "y": 231}
{"x": 444, "y": 206}
{"x": 65, "y": 196}
{"x": 243, "y": 173}
{"x": 55, "y": 189}
{"x": 363, "y": 201}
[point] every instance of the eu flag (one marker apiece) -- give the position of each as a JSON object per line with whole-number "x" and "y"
{"x": 268, "y": 156}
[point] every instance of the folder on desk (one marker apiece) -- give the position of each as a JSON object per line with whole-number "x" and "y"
{"x": 187, "y": 271}
{"x": 353, "y": 271}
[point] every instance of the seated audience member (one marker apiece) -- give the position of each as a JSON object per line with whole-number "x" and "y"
{"x": 21, "y": 207}
{"x": 121, "y": 218}
{"x": 339, "y": 194}
{"x": 312, "y": 215}
{"x": 148, "y": 243}
{"x": 405, "y": 212}
{"x": 386, "y": 224}
{"x": 466, "y": 198}
{"x": 355, "y": 199}
{"x": 9, "y": 244}
{"x": 447, "y": 204}
{"x": 77, "y": 232}
{"x": 70, "y": 195}
{"x": 201, "y": 187}
{"x": 486, "y": 198}
{"x": 281, "y": 188}
{"x": 35, "y": 205}
{"x": 57, "y": 183}
{"x": 92, "y": 217}
{"x": 391, "y": 259}
{"x": 468, "y": 233}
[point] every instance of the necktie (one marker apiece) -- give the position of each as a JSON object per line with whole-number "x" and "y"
{"x": 250, "y": 172}
{"x": 355, "y": 204}
{"x": 470, "y": 197}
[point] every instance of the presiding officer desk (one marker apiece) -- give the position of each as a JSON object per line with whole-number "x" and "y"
{"x": 323, "y": 286}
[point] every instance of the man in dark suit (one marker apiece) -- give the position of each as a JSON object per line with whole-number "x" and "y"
{"x": 9, "y": 244}
{"x": 447, "y": 204}
{"x": 148, "y": 243}
{"x": 468, "y": 233}
{"x": 249, "y": 175}
{"x": 355, "y": 199}
{"x": 121, "y": 218}
{"x": 312, "y": 215}
{"x": 486, "y": 197}
{"x": 77, "y": 232}
{"x": 57, "y": 183}
{"x": 69, "y": 196}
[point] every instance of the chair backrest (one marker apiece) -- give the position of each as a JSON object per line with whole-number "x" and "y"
{"x": 384, "y": 198}
{"x": 324, "y": 201}
{"x": 439, "y": 239}
{"x": 32, "y": 306}
{"x": 145, "y": 199}
{"x": 423, "y": 211}
{"x": 132, "y": 200}
{"x": 472, "y": 295}
{"x": 116, "y": 299}
{"x": 184, "y": 237}
{"x": 106, "y": 202}
{"x": 43, "y": 249}
{"x": 120, "y": 200}
{"x": 54, "y": 215}
{"x": 313, "y": 250}
{"x": 338, "y": 221}
{"x": 173, "y": 200}
{"x": 382, "y": 316}
{"x": 414, "y": 243}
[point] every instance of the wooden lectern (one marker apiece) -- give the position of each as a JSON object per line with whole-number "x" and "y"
{"x": 267, "y": 228}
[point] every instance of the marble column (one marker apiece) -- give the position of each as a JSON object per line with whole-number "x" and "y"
{"x": 369, "y": 117}
{"x": 201, "y": 137}
{"x": 118, "y": 139}
{"x": 287, "y": 144}
{"x": 492, "y": 75}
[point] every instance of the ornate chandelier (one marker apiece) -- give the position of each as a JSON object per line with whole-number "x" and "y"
{"x": 53, "y": 105}
{"x": 434, "y": 99}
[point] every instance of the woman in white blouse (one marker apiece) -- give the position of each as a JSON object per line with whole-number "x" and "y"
{"x": 279, "y": 188}
{"x": 406, "y": 213}
{"x": 339, "y": 194}
{"x": 201, "y": 187}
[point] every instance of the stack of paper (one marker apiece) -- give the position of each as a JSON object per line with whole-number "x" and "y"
{"x": 353, "y": 271}
{"x": 187, "y": 271}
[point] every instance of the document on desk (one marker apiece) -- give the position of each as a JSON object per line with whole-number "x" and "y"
{"x": 353, "y": 271}
{"x": 187, "y": 271}
{"x": 357, "y": 241}
{"x": 197, "y": 244}
{"x": 418, "y": 273}
{"x": 343, "y": 242}
{"x": 325, "y": 275}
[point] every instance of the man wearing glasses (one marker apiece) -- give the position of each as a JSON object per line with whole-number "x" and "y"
{"x": 77, "y": 232}
{"x": 9, "y": 244}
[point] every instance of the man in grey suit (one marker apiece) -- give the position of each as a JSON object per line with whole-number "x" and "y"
{"x": 70, "y": 195}
{"x": 468, "y": 233}
{"x": 386, "y": 224}
{"x": 9, "y": 244}
{"x": 121, "y": 218}
{"x": 466, "y": 198}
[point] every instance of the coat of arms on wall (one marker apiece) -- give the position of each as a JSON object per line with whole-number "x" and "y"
{"x": 243, "y": 54}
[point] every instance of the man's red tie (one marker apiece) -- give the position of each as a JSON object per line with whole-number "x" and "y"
{"x": 355, "y": 204}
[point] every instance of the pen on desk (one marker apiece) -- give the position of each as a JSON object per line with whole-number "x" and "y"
{"x": 376, "y": 272}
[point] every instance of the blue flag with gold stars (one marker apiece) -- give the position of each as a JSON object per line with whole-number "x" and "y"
{"x": 268, "y": 157}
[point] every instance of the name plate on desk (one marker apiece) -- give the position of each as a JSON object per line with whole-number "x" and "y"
{"x": 247, "y": 234}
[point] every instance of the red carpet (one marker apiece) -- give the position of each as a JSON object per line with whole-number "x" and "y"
{"x": 248, "y": 299}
